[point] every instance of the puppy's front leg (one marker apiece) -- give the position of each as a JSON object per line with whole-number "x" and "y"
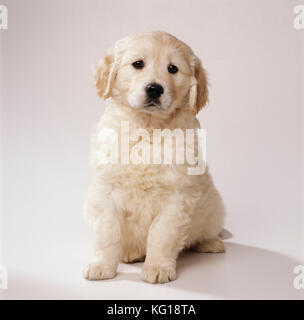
{"x": 107, "y": 243}
{"x": 166, "y": 239}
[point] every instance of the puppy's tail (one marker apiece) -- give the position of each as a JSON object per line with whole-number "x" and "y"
{"x": 225, "y": 234}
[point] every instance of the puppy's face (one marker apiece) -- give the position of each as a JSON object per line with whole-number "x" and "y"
{"x": 153, "y": 73}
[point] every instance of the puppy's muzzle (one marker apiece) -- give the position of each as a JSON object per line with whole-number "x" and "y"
{"x": 154, "y": 91}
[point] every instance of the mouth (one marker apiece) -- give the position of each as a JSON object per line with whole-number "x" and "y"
{"x": 153, "y": 103}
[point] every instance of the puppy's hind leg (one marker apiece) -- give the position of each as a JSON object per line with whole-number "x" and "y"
{"x": 215, "y": 245}
{"x": 132, "y": 253}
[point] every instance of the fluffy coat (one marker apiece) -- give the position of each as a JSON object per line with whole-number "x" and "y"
{"x": 150, "y": 211}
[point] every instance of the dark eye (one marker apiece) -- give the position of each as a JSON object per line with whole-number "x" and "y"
{"x": 172, "y": 68}
{"x": 138, "y": 64}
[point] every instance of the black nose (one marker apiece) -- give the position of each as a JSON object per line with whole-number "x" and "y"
{"x": 154, "y": 90}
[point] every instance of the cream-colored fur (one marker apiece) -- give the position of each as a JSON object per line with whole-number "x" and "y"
{"x": 150, "y": 211}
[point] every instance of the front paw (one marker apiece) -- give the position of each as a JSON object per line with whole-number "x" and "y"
{"x": 155, "y": 273}
{"x": 98, "y": 271}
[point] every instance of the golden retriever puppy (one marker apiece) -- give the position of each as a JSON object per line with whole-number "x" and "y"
{"x": 143, "y": 210}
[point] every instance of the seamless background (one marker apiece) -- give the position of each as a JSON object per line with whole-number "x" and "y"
{"x": 255, "y": 149}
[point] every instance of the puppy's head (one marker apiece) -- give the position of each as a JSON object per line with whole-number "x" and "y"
{"x": 153, "y": 72}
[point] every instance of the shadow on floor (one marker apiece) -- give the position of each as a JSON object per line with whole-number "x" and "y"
{"x": 243, "y": 272}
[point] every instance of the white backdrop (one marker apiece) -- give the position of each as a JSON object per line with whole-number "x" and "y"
{"x": 255, "y": 132}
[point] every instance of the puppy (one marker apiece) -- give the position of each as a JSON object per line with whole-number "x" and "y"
{"x": 148, "y": 211}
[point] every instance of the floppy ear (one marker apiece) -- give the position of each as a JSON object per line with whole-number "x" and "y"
{"x": 199, "y": 90}
{"x": 105, "y": 72}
